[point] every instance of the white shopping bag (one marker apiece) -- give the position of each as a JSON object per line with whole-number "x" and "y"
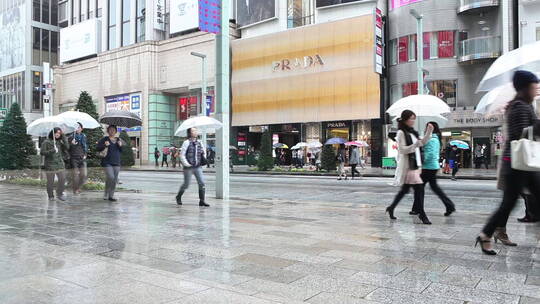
{"x": 526, "y": 153}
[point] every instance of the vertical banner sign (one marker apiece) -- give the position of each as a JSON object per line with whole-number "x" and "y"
{"x": 209, "y": 105}
{"x": 183, "y": 103}
{"x": 209, "y": 16}
{"x": 159, "y": 16}
{"x": 446, "y": 44}
{"x": 378, "y": 41}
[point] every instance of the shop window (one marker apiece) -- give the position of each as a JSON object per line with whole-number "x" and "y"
{"x": 446, "y": 44}
{"x": 445, "y": 90}
{"x": 403, "y": 47}
{"x": 392, "y": 49}
{"x": 412, "y": 48}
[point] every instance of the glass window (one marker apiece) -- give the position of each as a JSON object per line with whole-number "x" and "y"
{"x": 112, "y": 24}
{"x": 434, "y": 45}
{"x": 54, "y": 48}
{"x": 37, "y": 95}
{"x": 126, "y": 13}
{"x": 444, "y": 89}
{"x": 112, "y": 37}
{"x": 392, "y": 49}
{"x": 75, "y": 11}
{"x": 54, "y": 12}
{"x": 45, "y": 4}
{"x": 62, "y": 11}
{"x": 91, "y": 8}
{"x": 84, "y": 9}
{"x": 300, "y": 13}
{"x": 395, "y": 93}
{"x": 412, "y": 48}
{"x": 45, "y": 46}
{"x": 426, "y": 46}
{"x": 410, "y": 88}
{"x": 126, "y": 10}
{"x": 99, "y": 9}
{"x": 141, "y": 10}
{"x": 538, "y": 33}
{"x": 446, "y": 44}
{"x": 36, "y": 46}
{"x": 126, "y": 34}
{"x": 403, "y": 48}
{"x": 36, "y": 10}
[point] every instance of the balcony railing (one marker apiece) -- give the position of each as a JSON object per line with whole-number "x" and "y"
{"x": 468, "y": 5}
{"x": 479, "y": 48}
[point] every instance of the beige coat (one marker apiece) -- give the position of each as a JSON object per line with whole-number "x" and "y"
{"x": 403, "y": 150}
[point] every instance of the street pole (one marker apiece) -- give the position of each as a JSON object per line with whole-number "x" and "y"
{"x": 202, "y": 107}
{"x": 222, "y": 106}
{"x": 420, "y": 49}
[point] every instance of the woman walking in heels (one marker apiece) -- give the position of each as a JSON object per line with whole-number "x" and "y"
{"x": 409, "y": 166}
{"x": 430, "y": 168}
{"x": 519, "y": 115}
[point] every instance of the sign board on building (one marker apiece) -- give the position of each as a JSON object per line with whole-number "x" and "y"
{"x": 80, "y": 40}
{"x": 125, "y": 102}
{"x": 399, "y": 3}
{"x": 341, "y": 86}
{"x": 3, "y": 114}
{"x": 468, "y": 119}
{"x": 184, "y": 15}
{"x": 379, "y": 53}
{"x": 159, "y": 15}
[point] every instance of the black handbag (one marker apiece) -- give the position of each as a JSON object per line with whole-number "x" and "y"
{"x": 204, "y": 161}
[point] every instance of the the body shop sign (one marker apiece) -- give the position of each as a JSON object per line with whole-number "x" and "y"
{"x": 125, "y": 102}
{"x": 399, "y": 3}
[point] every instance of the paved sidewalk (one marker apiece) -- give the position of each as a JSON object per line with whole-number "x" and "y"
{"x": 472, "y": 174}
{"x": 145, "y": 249}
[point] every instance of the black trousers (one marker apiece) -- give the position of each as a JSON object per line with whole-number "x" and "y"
{"x": 164, "y": 161}
{"x": 418, "y": 204}
{"x": 515, "y": 182}
{"x": 353, "y": 170}
{"x": 430, "y": 177}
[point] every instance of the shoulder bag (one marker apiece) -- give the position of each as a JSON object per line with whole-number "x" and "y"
{"x": 526, "y": 153}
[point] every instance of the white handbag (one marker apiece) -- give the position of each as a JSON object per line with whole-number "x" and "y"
{"x": 526, "y": 153}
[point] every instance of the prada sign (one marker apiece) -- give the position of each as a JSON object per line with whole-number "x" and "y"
{"x": 297, "y": 63}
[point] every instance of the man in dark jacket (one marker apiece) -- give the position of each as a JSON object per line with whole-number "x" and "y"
{"x": 78, "y": 149}
{"x": 453, "y": 157}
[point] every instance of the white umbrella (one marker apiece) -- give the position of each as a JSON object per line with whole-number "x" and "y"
{"x": 86, "y": 120}
{"x": 204, "y": 123}
{"x": 314, "y": 145}
{"x": 501, "y": 71}
{"x": 43, "y": 126}
{"x": 495, "y": 101}
{"x": 421, "y": 105}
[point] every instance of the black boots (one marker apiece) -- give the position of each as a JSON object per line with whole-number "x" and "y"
{"x": 179, "y": 197}
{"x": 202, "y": 203}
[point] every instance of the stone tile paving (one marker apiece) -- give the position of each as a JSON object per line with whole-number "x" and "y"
{"x": 145, "y": 249}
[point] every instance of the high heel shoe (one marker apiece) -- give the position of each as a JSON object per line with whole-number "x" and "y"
{"x": 500, "y": 235}
{"x": 423, "y": 217}
{"x": 482, "y": 242}
{"x": 390, "y": 212}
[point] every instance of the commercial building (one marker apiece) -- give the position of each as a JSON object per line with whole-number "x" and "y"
{"x": 307, "y": 71}
{"x": 136, "y": 55}
{"x": 528, "y": 21}
{"x": 28, "y": 38}
{"x": 461, "y": 39}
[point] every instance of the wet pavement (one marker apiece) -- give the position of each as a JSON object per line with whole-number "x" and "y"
{"x": 278, "y": 240}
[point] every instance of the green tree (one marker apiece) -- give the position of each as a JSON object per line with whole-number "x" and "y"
{"x": 86, "y": 105}
{"x": 328, "y": 158}
{"x": 16, "y": 146}
{"x": 126, "y": 158}
{"x": 266, "y": 161}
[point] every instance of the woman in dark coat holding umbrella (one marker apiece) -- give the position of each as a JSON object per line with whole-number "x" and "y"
{"x": 111, "y": 162}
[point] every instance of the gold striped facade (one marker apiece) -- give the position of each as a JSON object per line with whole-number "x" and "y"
{"x": 323, "y": 72}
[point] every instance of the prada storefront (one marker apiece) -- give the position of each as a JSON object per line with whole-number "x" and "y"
{"x": 308, "y": 84}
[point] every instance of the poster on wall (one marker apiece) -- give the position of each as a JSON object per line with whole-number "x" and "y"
{"x": 12, "y": 33}
{"x": 253, "y": 11}
{"x": 125, "y": 102}
{"x": 399, "y": 3}
{"x": 446, "y": 44}
{"x": 325, "y": 3}
{"x": 184, "y": 15}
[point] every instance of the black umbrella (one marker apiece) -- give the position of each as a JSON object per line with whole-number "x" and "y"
{"x": 121, "y": 119}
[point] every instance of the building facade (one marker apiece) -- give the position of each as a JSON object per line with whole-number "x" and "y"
{"x": 307, "y": 71}
{"x": 529, "y": 21}
{"x": 29, "y": 37}
{"x": 461, "y": 39}
{"x": 136, "y": 56}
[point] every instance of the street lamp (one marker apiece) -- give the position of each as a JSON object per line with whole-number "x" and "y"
{"x": 420, "y": 49}
{"x": 202, "y": 109}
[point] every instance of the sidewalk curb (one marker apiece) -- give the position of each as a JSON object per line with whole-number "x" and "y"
{"x": 271, "y": 173}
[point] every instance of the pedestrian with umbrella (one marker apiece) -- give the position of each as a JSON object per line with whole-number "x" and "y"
{"x": 53, "y": 149}
{"x": 354, "y": 160}
{"x": 342, "y": 159}
{"x": 110, "y": 147}
{"x": 409, "y": 166}
{"x": 193, "y": 158}
{"x": 519, "y": 115}
{"x": 78, "y": 149}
